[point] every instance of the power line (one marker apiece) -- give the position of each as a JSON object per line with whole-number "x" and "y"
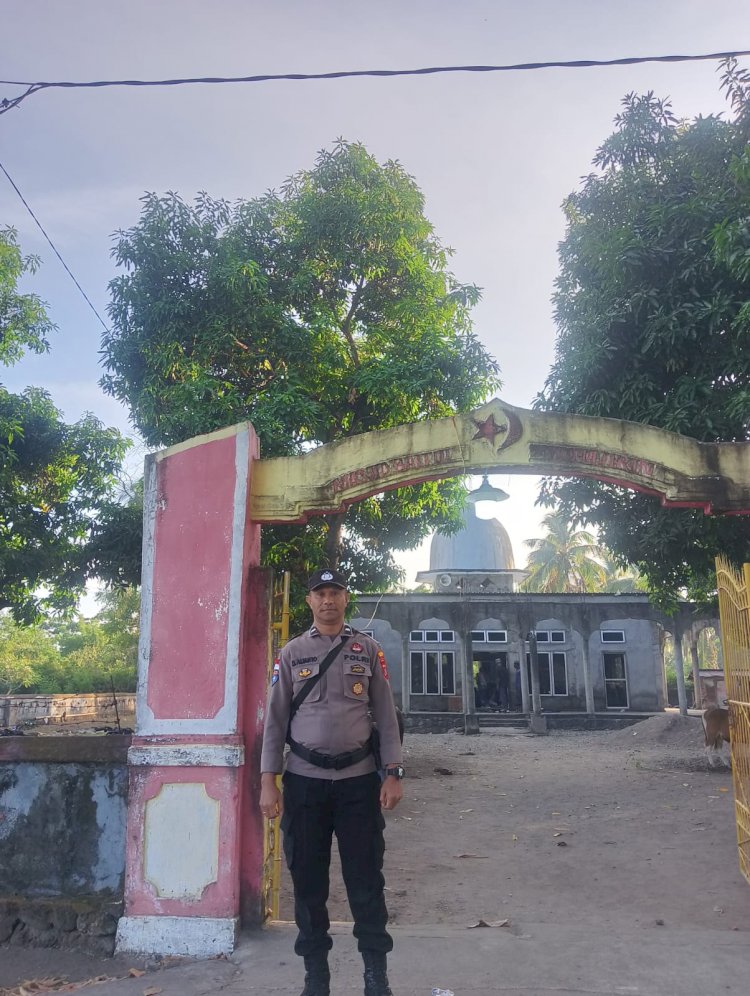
{"x": 54, "y": 247}
{"x": 35, "y": 87}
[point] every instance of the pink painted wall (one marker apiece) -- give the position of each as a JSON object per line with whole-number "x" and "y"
{"x": 194, "y": 519}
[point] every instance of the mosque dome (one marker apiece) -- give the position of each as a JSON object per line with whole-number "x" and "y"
{"x": 481, "y": 545}
{"x": 478, "y": 558}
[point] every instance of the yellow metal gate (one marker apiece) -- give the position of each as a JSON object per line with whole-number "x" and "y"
{"x": 734, "y": 610}
{"x": 272, "y": 835}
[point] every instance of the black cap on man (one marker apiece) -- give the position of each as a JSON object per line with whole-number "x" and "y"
{"x": 326, "y": 577}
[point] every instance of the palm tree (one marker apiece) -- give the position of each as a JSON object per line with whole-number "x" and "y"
{"x": 565, "y": 560}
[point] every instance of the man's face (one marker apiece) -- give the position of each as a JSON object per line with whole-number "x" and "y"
{"x": 328, "y": 605}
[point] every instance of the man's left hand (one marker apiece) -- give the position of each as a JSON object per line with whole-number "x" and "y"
{"x": 391, "y": 792}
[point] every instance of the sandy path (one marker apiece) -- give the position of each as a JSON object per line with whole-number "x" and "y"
{"x": 622, "y": 828}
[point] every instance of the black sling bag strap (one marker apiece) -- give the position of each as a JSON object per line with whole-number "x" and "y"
{"x": 336, "y": 761}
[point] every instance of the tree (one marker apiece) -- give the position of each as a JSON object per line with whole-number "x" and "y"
{"x": 26, "y": 653}
{"x": 318, "y": 313}
{"x": 651, "y": 306}
{"x": 53, "y": 476}
{"x": 564, "y": 560}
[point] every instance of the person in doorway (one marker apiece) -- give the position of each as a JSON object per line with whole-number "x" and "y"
{"x": 517, "y": 694}
{"x": 503, "y": 685}
{"x": 328, "y": 686}
{"x": 490, "y": 670}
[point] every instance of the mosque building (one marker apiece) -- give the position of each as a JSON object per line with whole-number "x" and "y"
{"x": 469, "y": 646}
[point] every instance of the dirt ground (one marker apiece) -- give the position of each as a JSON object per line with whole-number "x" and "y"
{"x": 626, "y": 828}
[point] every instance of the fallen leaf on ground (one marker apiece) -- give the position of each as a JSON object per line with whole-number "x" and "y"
{"x": 489, "y": 923}
{"x": 471, "y": 855}
{"x": 152, "y": 991}
{"x": 466, "y": 810}
{"x": 562, "y": 843}
{"x": 31, "y": 986}
{"x": 135, "y": 973}
{"x": 558, "y": 833}
{"x": 443, "y": 771}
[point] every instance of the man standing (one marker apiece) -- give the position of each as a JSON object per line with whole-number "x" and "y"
{"x": 326, "y": 686}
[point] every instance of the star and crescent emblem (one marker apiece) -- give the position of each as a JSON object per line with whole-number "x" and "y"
{"x": 510, "y": 429}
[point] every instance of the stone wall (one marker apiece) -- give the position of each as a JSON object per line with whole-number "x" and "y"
{"x": 63, "y": 803}
{"x": 24, "y": 710}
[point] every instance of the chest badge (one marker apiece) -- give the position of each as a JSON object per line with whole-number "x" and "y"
{"x": 304, "y": 673}
{"x": 357, "y": 648}
{"x": 358, "y": 688}
{"x": 358, "y": 669}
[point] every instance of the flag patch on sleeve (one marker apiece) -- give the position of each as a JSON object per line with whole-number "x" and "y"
{"x": 383, "y": 665}
{"x": 276, "y": 668}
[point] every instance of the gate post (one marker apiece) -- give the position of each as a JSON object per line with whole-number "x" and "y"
{"x": 198, "y": 658}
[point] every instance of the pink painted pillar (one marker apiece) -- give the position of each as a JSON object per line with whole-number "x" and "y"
{"x": 182, "y": 882}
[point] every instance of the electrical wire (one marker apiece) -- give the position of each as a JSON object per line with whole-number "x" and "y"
{"x": 54, "y": 247}
{"x": 35, "y": 87}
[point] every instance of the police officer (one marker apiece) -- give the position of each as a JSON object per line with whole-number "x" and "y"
{"x": 331, "y": 783}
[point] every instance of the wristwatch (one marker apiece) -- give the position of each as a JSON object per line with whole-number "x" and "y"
{"x": 395, "y": 771}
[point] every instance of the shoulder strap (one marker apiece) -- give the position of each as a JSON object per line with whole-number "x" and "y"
{"x": 302, "y": 694}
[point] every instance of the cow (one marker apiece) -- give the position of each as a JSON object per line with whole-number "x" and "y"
{"x": 716, "y": 735}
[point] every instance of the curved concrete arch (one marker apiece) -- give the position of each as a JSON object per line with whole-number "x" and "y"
{"x": 683, "y": 472}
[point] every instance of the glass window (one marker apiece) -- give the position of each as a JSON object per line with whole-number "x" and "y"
{"x": 557, "y": 636}
{"x": 416, "y": 636}
{"x": 559, "y": 675}
{"x": 447, "y": 636}
{"x": 417, "y": 673}
{"x": 616, "y": 681}
{"x": 432, "y": 677}
{"x": 432, "y": 672}
{"x": 431, "y": 636}
{"x": 447, "y": 674}
{"x": 613, "y": 636}
{"x": 497, "y": 636}
{"x": 553, "y": 676}
{"x": 542, "y": 636}
{"x": 478, "y": 636}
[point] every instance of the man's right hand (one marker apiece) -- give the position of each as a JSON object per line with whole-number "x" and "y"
{"x": 271, "y": 802}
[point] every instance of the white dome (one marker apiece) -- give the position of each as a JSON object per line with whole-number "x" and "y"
{"x": 482, "y": 545}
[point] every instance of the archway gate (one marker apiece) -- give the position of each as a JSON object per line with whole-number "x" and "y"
{"x": 195, "y": 838}
{"x": 734, "y": 610}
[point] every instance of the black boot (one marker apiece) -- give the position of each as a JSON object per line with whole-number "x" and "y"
{"x": 376, "y": 975}
{"x": 317, "y": 976}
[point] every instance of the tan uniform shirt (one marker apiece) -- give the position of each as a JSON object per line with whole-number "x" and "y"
{"x": 334, "y": 717}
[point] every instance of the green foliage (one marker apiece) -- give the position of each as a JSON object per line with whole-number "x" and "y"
{"x": 114, "y": 547}
{"x": 23, "y": 320}
{"x": 564, "y": 560}
{"x": 654, "y": 323}
{"x": 53, "y": 476}
{"x": 316, "y": 313}
{"x": 73, "y": 655}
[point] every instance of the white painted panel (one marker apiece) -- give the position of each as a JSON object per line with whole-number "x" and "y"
{"x": 181, "y": 841}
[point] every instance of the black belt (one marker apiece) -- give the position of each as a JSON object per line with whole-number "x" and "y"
{"x": 335, "y": 761}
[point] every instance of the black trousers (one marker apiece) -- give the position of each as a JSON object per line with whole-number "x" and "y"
{"x": 315, "y": 809}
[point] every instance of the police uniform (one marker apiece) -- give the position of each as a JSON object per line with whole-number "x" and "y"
{"x": 334, "y": 721}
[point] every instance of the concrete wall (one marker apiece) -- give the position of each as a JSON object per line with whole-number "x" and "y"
{"x": 20, "y": 710}
{"x": 582, "y": 617}
{"x": 63, "y": 803}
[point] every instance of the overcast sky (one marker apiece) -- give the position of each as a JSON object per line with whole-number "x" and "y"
{"x": 494, "y": 153}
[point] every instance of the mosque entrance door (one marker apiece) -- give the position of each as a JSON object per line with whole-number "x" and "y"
{"x": 491, "y": 685}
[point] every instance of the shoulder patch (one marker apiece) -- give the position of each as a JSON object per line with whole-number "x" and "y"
{"x": 383, "y": 665}
{"x": 276, "y": 668}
